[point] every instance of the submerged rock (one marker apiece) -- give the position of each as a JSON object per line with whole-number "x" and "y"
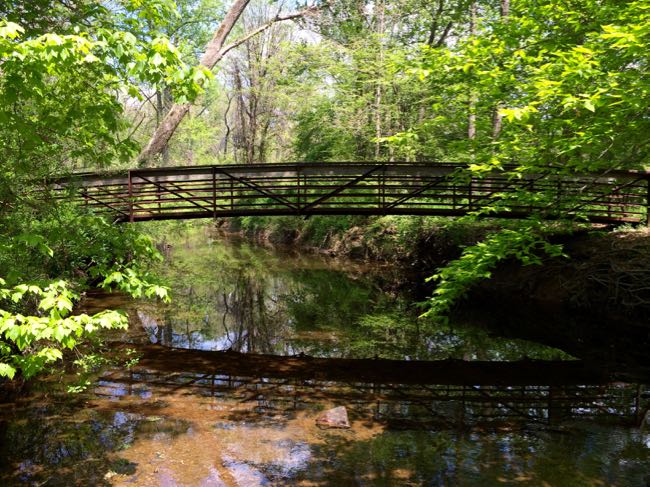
{"x": 334, "y": 418}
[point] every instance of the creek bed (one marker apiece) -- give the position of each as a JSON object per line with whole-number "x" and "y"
{"x": 206, "y": 416}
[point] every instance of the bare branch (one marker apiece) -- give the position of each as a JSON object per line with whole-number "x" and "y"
{"x": 210, "y": 57}
{"x": 278, "y": 18}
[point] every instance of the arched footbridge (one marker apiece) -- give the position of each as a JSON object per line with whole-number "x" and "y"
{"x": 356, "y": 189}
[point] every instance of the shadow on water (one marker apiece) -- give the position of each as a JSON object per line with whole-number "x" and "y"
{"x": 69, "y": 444}
{"x": 202, "y": 417}
{"x": 159, "y": 428}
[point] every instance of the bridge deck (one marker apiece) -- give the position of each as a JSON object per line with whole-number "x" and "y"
{"x": 357, "y": 189}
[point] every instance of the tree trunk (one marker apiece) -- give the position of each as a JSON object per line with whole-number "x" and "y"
{"x": 214, "y": 52}
{"x": 497, "y": 120}
{"x": 190, "y": 148}
{"x": 212, "y": 55}
{"x": 505, "y": 8}
{"x": 225, "y": 121}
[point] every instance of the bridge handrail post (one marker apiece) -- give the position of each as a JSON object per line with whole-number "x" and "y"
{"x": 647, "y": 201}
{"x": 299, "y": 198}
{"x": 214, "y": 192}
{"x": 383, "y": 188}
{"x": 379, "y": 190}
{"x": 130, "y": 183}
{"x": 232, "y": 194}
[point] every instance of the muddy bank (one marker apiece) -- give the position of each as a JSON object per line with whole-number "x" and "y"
{"x": 605, "y": 275}
{"x": 413, "y": 254}
{"x": 422, "y": 243}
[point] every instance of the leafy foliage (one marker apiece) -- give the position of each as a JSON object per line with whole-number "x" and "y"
{"x": 545, "y": 87}
{"x": 477, "y": 261}
{"x": 68, "y": 71}
{"x": 571, "y": 83}
{"x": 30, "y": 342}
{"x": 35, "y": 318}
{"x": 555, "y": 88}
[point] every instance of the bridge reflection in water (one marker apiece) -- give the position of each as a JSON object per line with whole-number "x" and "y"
{"x": 371, "y": 188}
{"x": 418, "y": 403}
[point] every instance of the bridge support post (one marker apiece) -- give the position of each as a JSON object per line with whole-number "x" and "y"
{"x": 378, "y": 190}
{"x": 232, "y": 194}
{"x": 299, "y": 196}
{"x": 383, "y": 189}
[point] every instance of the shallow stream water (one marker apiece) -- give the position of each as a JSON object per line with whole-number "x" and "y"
{"x": 183, "y": 426}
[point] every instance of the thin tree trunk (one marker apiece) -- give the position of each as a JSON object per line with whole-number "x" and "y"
{"x": 159, "y": 108}
{"x": 225, "y": 121}
{"x": 241, "y": 136}
{"x": 263, "y": 141}
{"x": 212, "y": 55}
{"x": 505, "y": 8}
{"x": 190, "y": 148}
{"x": 168, "y": 102}
{"x": 497, "y": 118}
{"x": 433, "y": 30}
{"x": 162, "y": 103}
{"x": 378, "y": 91}
{"x": 251, "y": 136}
{"x": 471, "y": 118}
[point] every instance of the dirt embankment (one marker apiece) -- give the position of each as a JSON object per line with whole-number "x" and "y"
{"x": 425, "y": 248}
{"x": 606, "y": 273}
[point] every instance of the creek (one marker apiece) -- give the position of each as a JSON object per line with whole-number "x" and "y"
{"x": 180, "y": 425}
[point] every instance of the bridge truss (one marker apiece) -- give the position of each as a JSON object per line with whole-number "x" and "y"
{"x": 357, "y": 189}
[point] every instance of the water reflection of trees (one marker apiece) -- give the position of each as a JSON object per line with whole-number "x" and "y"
{"x": 245, "y": 298}
{"x": 54, "y": 445}
{"x": 252, "y": 317}
{"x": 240, "y": 311}
{"x": 579, "y": 457}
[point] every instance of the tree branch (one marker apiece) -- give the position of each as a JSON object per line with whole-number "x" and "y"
{"x": 215, "y": 51}
{"x": 278, "y": 18}
{"x": 210, "y": 57}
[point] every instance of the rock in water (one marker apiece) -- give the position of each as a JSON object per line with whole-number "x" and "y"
{"x": 334, "y": 418}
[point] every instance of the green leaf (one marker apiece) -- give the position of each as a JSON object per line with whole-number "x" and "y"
{"x": 7, "y": 370}
{"x": 157, "y": 59}
{"x": 10, "y": 30}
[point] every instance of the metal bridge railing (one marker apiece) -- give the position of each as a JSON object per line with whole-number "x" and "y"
{"x": 358, "y": 188}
